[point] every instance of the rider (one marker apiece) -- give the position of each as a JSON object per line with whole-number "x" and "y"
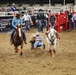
{"x": 15, "y": 22}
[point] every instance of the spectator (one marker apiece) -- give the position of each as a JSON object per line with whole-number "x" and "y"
{"x": 27, "y": 19}
{"x": 70, "y": 19}
{"x": 13, "y": 7}
{"x": 74, "y": 19}
{"x": 8, "y": 7}
{"x": 40, "y": 19}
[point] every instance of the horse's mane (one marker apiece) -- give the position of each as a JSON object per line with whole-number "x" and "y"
{"x": 16, "y": 39}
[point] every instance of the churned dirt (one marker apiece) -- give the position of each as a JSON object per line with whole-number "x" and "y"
{"x": 39, "y": 61}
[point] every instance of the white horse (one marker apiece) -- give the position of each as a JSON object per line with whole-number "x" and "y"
{"x": 52, "y": 41}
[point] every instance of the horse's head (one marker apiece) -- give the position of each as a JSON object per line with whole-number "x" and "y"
{"x": 18, "y": 30}
{"x": 52, "y": 33}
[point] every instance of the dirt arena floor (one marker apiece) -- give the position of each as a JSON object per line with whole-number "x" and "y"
{"x": 39, "y": 61}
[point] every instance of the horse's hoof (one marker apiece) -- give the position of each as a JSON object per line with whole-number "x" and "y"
{"x": 16, "y": 51}
{"x": 54, "y": 51}
{"x": 53, "y": 55}
{"x": 43, "y": 46}
{"x": 21, "y": 53}
{"x": 25, "y": 43}
{"x": 11, "y": 44}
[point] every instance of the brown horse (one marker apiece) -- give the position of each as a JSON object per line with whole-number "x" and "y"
{"x": 18, "y": 40}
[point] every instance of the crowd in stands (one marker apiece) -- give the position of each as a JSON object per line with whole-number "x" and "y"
{"x": 41, "y": 19}
{"x": 9, "y": 7}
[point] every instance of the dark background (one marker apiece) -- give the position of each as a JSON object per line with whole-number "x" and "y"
{"x": 28, "y": 1}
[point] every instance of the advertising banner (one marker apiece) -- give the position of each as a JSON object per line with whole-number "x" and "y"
{"x": 5, "y": 23}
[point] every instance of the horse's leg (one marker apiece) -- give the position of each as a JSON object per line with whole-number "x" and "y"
{"x": 54, "y": 49}
{"x": 21, "y": 51}
{"x": 16, "y": 49}
{"x": 49, "y": 47}
{"x": 50, "y": 50}
{"x": 52, "y": 53}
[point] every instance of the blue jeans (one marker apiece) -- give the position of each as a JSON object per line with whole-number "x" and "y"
{"x": 12, "y": 34}
{"x": 39, "y": 25}
{"x": 71, "y": 25}
{"x": 27, "y": 25}
{"x": 38, "y": 44}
